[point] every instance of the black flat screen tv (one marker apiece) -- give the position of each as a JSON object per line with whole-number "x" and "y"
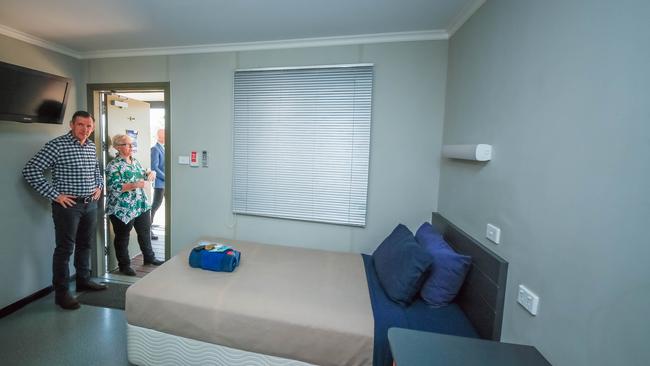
{"x": 28, "y": 95}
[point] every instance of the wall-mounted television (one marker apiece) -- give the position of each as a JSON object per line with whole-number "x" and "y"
{"x": 28, "y": 95}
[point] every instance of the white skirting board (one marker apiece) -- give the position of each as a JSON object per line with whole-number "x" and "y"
{"x": 147, "y": 347}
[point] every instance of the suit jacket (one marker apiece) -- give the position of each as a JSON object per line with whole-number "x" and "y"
{"x": 158, "y": 164}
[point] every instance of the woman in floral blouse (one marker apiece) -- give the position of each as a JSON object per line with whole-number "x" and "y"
{"x": 127, "y": 205}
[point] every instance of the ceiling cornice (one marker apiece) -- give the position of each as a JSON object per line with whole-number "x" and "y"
{"x": 428, "y": 35}
{"x": 269, "y": 45}
{"x": 21, "y": 36}
{"x": 231, "y": 47}
{"x": 464, "y": 15}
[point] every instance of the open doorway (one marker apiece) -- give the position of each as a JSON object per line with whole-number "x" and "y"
{"x": 140, "y": 111}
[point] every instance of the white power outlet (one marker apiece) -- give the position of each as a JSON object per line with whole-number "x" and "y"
{"x": 493, "y": 233}
{"x": 528, "y": 299}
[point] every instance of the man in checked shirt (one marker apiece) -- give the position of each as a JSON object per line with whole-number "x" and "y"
{"x": 76, "y": 186}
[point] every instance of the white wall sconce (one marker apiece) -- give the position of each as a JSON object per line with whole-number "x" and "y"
{"x": 478, "y": 152}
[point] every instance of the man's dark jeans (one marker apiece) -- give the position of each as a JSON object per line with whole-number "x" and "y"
{"x": 75, "y": 230}
{"x": 142, "y": 225}
{"x": 158, "y": 194}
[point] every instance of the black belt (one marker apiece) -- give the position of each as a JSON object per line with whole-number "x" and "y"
{"x": 84, "y": 199}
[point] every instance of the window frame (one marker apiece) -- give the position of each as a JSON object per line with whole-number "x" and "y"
{"x": 277, "y": 214}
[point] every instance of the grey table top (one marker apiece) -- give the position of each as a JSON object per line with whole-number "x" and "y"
{"x": 416, "y": 348}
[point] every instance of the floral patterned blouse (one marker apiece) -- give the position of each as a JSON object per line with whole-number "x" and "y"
{"x": 128, "y": 205}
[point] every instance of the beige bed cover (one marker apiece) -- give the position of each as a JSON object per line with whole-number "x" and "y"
{"x": 302, "y": 304}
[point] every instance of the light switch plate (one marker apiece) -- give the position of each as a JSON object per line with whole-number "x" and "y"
{"x": 493, "y": 233}
{"x": 204, "y": 158}
{"x": 184, "y": 159}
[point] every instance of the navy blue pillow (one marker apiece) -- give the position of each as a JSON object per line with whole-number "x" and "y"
{"x": 448, "y": 270}
{"x": 401, "y": 265}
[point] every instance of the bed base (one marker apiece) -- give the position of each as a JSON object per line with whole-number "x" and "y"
{"x": 148, "y": 347}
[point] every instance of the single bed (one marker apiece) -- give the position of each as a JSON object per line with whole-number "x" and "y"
{"x": 292, "y": 306}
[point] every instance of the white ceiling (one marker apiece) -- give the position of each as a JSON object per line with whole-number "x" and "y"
{"x": 94, "y": 28}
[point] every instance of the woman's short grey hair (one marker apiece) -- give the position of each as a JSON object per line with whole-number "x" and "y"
{"x": 119, "y": 139}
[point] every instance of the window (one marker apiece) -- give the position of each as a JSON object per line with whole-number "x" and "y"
{"x": 302, "y": 143}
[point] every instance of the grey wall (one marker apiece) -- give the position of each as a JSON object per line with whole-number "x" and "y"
{"x": 405, "y": 139}
{"x": 561, "y": 90}
{"x": 27, "y": 230}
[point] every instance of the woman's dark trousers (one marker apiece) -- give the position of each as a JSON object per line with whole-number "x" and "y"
{"x": 142, "y": 225}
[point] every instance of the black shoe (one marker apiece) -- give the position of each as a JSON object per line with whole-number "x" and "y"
{"x": 90, "y": 286}
{"x": 127, "y": 271}
{"x": 154, "y": 262}
{"x": 66, "y": 301}
{"x": 154, "y": 237}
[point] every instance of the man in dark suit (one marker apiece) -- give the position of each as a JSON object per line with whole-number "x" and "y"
{"x": 158, "y": 166}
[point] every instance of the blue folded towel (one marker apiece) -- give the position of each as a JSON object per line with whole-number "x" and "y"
{"x": 195, "y": 257}
{"x": 219, "y": 258}
{"x": 219, "y": 261}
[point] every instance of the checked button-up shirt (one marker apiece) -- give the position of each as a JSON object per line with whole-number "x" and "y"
{"x": 75, "y": 169}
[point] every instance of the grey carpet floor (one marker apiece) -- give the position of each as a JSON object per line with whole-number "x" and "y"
{"x": 43, "y": 334}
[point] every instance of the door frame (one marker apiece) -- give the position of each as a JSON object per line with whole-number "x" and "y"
{"x": 97, "y": 255}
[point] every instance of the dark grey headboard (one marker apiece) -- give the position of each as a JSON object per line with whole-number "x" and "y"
{"x": 483, "y": 292}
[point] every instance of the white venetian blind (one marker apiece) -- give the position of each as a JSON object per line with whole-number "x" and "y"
{"x": 302, "y": 143}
